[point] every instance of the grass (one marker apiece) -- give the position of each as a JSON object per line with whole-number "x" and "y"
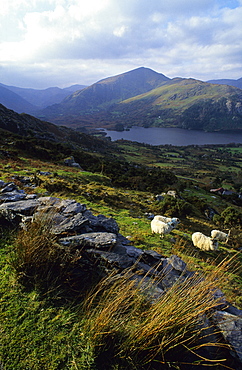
{"x": 122, "y": 323}
{"x": 45, "y": 325}
{"x": 116, "y": 326}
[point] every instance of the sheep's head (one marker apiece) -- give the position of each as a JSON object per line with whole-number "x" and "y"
{"x": 213, "y": 244}
{"x": 175, "y": 220}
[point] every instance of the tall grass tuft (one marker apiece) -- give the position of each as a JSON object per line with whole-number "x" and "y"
{"x": 124, "y": 325}
{"x": 37, "y": 257}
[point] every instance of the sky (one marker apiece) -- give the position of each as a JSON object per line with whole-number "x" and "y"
{"x": 47, "y": 43}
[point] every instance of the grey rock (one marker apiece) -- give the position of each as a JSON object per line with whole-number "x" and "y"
{"x": 75, "y": 223}
{"x": 97, "y": 240}
{"x": 25, "y": 207}
{"x": 2, "y": 183}
{"x": 177, "y": 263}
{"x": 102, "y": 223}
{"x": 169, "y": 279}
{"x": 231, "y": 328}
{"x": 152, "y": 258}
{"x": 8, "y": 187}
{"x": 70, "y": 161}
{"x": 71, "y": 207}
{"x": 12, "y": 196}
{"x": 111, "y": 260}
{"x": 133, "y": 252}
{"x": 145, "y": 269}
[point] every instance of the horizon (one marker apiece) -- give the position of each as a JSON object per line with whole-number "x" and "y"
{"x": 79, "y": 83}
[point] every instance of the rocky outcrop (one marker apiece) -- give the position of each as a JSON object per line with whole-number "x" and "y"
{"x": 103, "y": 247}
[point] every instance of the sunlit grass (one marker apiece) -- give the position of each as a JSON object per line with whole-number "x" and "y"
{"x": 123, "y": 323}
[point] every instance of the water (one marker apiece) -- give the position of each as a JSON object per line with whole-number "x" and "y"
{"x": 175, "y": 136}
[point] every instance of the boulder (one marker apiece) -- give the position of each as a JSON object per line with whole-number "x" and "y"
{"x": 231, "y": 328}
{"x": 95, "y": 240}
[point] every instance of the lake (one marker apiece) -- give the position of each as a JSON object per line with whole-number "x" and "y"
{"x": 175, "y": 136}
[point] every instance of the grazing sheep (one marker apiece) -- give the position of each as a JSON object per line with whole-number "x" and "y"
{"x": 220, "y": 235}
{"x": 203, "y": 242}
{"x": 160, "y": 227}
{"x": 174, "y": 220}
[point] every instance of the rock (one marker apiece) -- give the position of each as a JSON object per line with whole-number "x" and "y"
{"x": 111, "y": 260}
{"x": 72, "y": 224}
{"x": 102, "y": 223}
{"x": 96, "y": 240}
{"x": 12, "y": 196}
{"x": 2, "y": 183}
{"x": 9, "y": 187}
{"x": 177, "y": 263}
{"x": 70, "y": 161}
{"x": 25, "y": 207}
{"x": 231, "y": 328}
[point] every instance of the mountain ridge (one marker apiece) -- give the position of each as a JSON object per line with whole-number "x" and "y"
{"x": 34, "y": 99}
{"x": 166, "y": 102}
{"x": 141, "y": 97}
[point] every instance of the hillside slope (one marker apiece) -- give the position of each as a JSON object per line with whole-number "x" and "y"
{"x": 13, "y": 101}
{"x": 185, "y": 103}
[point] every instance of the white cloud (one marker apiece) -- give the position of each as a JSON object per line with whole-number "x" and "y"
{"x": 196, "y": 37}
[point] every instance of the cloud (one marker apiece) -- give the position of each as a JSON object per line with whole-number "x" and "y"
{"x": 112, "y": 35}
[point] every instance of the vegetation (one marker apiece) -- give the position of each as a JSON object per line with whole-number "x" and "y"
{"x": 46, "y": 323}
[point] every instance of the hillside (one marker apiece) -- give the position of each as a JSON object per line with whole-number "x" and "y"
{"x": 57, "y": 311}
{"x": 185, "y": 103}
{"x": 13, "y": 101}
{"x": 145, "y": 98}
{"x": 26, "y": 125}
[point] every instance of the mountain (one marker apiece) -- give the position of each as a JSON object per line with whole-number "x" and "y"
{"x": 39, "y": 98}
{"x": 146, "y": 98}
{"x": 106, "y": 92}
{"x": 13, "y": 101}
{"x": 185, "y": 103}
{"x": 236, "y": 83}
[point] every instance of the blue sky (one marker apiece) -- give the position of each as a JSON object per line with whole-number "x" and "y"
{"x": 63, "y": 42}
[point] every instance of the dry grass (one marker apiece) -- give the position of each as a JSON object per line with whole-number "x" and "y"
{"x": 121, "y": 320}
{"x": 37, "y": 258}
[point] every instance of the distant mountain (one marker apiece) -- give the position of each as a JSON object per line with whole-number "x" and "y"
{"x": 14, "y": 101}
{"x": 236, "y": 83}
{"x": 146, "y": 98}
{"x": 41, "y": 98}
{"x": 106, "y": 92}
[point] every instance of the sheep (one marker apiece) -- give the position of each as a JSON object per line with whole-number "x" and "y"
{"x": 174, "y": 220}
{"x": 204, "y": 242}
{"x": 160, "y": 227}
{"x": 220, "y": 235}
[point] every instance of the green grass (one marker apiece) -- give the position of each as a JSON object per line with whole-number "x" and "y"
{"x": 45, "y": 329}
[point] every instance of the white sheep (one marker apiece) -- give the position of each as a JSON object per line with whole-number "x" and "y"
{"x": 165, "y": 219}
{"x": 160, "y": 227}
{"x": 220, "y": 235}
{"x": 204, "y": 242}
